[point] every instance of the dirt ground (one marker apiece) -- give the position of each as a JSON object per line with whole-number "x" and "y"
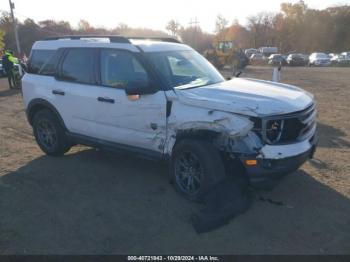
{"x": 92, "y": 202}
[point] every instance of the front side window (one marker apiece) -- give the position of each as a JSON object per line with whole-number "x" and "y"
{"x": 78, "y": 66}
{"x": 119, "y": 68}
{"x": 184, "y": 69}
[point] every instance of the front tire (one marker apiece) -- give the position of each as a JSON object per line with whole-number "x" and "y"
{"x": 195, "y": 167}
{"x": 50, "y": 134}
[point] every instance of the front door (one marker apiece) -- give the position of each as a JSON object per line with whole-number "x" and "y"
{"x": 135, "y": 121}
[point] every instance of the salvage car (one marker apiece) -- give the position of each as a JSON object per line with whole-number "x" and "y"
{"x": 257, "y": 59}
{"x": 340, "y": 60}
{"x": 296, "y": 60}
{"x": 319, "y": 59}
{"x": 160, "y": 99}
{"x": 346, "y": 54}
{"x": 276, "y": 59}
{"x": 248, "y": 52}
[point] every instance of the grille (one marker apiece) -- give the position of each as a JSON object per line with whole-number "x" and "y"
{"x": 287, "y": 128}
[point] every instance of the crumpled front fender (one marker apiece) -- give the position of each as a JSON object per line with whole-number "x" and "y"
{"x": 233, "y": 131}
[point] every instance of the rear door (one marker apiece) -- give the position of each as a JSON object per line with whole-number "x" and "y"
{"x": 75, "y": 90}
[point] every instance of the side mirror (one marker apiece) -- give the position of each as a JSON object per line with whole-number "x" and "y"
{"x": 139, "y": 88}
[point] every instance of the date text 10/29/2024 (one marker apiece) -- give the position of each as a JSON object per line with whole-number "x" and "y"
{"x": 173, "y": 258}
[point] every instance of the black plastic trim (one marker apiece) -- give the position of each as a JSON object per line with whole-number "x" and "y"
{"x": 115, "y": 147}
{"x": 41, "y": 102}
{"x": 169, "y": 105}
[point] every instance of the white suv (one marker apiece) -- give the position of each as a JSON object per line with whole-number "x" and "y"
{"x": 319, "y": 59}
{"x": 160, "y": 99}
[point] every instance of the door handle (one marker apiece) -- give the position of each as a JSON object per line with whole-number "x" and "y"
{"x": 58, "y": 92}
{"x": 106, "y": 99}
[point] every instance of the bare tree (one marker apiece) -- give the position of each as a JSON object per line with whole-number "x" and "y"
{"x": 173, "y": 27}
{"x": 220, "y": 25}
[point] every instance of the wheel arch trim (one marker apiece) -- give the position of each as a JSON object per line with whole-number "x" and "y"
{"x": 36, "y": 105}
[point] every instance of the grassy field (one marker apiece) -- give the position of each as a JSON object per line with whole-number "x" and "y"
{"x": 92, "y": 202}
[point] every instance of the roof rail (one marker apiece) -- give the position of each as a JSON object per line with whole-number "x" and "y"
{"x": 115, "y": 38}
{"x": 162, "y": 39}
{"x": 112, "y": 38}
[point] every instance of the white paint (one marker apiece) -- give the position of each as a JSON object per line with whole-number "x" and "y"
{"x": 146, "y": 45}
{"x": 248, "y": 97}
{"x": 319, "y": 59}
{"x": 276, "y": 77}
{"x": 157, "y": 46}
{"x": 284, "y": 151}
{"x": 224, "y": 107}
{"x": 125, "y": 122}
{"x": 101, "y": 43}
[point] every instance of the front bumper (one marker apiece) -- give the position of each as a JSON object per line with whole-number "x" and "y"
{"x": 276, "y": 163}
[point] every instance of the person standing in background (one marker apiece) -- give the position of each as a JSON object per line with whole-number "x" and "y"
{"x": 8, "y": 62}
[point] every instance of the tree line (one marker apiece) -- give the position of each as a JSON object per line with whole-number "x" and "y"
{"x": 296, "y": 27}
{"x": 29, "y": 31}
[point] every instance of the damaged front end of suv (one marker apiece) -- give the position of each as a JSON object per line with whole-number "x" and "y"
{"x": 262, "y": 136}
{"x": 285, "y": 143}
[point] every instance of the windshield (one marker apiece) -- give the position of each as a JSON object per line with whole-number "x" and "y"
{"x": 184, "y": 69}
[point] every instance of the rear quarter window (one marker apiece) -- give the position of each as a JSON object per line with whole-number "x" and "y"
{"x": 38, "y": 59}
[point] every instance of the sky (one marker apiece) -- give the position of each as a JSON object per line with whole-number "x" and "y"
{"x": 150, "y": 13}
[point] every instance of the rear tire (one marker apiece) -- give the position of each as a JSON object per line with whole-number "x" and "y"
{"x": 195, "y": 167}
{"x": 50, "y": 134}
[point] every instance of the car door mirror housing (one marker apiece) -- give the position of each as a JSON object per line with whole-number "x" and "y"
{"x": 139, "y": 88}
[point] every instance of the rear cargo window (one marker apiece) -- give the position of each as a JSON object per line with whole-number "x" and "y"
{"x": 37, "y": 59}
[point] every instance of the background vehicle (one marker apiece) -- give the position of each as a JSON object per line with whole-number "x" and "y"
{"x": 319, "y": 59}
{"x": 163, "y": 100}
{"x": 296, "y": 60}
{"x": 257, "y": 59}
{"x": 226, "y": 54}
{"x": 340, "y": 60}
{"x": 268, "y": 50}
{"x": 248, "y": 52}
{"x": 276, "y": 59}
{"x": 306, "y": 58}
{"x": 346, "y": 54}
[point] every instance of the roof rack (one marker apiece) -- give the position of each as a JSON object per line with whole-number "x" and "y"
{"x": 114, "y": 38}
{"x": 162, "y": 39}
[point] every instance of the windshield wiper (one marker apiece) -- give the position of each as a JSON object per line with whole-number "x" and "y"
{"x": 195, "y": 86}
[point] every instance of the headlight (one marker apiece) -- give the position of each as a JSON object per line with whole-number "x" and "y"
{"x": 274, "y": 130}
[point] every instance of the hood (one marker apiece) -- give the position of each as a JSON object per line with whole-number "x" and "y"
{"x": 250, "y": 97}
